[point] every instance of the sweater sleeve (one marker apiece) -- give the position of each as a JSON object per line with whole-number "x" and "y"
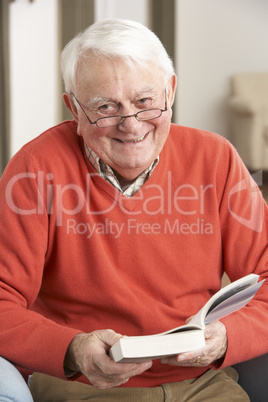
{"x": 27, "y": 339}
{"x": 244, "y": 223}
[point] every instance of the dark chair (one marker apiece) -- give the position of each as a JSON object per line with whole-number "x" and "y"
{"x": 253, "y": 378}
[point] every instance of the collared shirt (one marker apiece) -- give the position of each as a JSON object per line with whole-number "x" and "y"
{"x": 105, "y": 171}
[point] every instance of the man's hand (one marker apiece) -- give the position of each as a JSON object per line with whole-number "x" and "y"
{"x": 87, "y": 353}
{"x": 215, "y": 349}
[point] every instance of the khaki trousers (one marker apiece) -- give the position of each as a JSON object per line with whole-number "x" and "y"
{"x": 216, "y": 386}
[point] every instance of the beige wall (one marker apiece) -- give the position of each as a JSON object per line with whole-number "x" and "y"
{"x": 215, "y": 39}
{"x": 130, "y": 9}
{"x": 34, "y": 78}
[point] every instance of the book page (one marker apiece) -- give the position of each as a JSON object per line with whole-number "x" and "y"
{"x": 227, "y": 300}
{"x": 232, "y": 304}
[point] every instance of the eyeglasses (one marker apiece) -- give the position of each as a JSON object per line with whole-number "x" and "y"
{"x": 143, "y": 115}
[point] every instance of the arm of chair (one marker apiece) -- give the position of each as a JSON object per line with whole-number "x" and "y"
{"x": 253, "y": 377}
{"x": 243, "y": 106}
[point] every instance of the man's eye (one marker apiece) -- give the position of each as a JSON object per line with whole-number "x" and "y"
{"x": 145, "y": 102}
{"x": 108, "y": 109}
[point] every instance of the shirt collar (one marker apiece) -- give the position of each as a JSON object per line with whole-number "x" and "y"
{"x": 107, "y": 173}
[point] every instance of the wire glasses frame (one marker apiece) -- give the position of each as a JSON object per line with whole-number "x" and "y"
{"x": 143, "y": 115}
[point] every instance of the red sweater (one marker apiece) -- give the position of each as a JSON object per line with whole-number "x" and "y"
{"x": 76, "y": 255}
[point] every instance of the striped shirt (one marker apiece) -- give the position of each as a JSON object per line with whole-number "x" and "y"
{"x": 105, "y": 171}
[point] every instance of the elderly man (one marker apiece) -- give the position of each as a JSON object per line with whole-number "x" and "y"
{"x": 121, "y": 223}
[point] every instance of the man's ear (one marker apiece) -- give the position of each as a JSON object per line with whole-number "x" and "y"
{"x": 69, "y": 103}
{"x": 172, "y": 84}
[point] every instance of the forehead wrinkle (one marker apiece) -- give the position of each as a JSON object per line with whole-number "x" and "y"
{"x": 145, "y": 90}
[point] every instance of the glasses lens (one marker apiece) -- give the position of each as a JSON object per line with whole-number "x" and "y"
{"x": 140, "y": 116}
{"x": 149, "y": 114}
{"x": 108, "y": 121}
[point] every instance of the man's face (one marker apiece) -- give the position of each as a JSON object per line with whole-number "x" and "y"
{"x": 111, "y": 87}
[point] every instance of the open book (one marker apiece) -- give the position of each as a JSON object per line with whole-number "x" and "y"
{"x": 190, "y": 336}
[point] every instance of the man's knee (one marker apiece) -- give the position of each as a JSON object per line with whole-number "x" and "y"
{"x": 12, "y": 385}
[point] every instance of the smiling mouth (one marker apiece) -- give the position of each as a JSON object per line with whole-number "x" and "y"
{"x": 133, "y": 141}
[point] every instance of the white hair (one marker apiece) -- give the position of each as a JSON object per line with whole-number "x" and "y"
{"x": 115, "y": 38}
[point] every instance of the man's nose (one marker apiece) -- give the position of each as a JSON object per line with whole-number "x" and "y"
{"x": 129, "y": 122}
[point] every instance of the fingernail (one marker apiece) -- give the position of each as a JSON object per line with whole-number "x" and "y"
{"x": 180, "y": 358}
